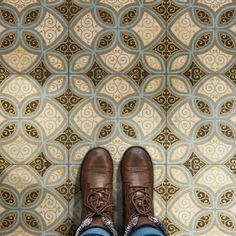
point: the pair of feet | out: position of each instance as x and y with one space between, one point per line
96 186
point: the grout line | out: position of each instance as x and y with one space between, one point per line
68 115
166 114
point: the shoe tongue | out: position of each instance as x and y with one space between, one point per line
97 221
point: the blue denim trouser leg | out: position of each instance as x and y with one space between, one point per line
96 231
143 231
147 231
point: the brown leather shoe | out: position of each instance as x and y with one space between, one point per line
96 186
137 181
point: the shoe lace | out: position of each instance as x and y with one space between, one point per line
97 202
97 205
141 200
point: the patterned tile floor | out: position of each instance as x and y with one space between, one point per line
116 73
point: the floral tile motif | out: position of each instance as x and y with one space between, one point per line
116 115
203 203
76 74
205 35
31 120
122 35
32 34
204 120
30 203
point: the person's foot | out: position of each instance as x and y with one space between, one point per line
96 187
137 181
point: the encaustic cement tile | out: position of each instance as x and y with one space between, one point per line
117 114
33 202
203 35
32 33
117 36
76 205
203 119
201 201
31 120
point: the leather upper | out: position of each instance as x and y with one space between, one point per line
137 181
96 185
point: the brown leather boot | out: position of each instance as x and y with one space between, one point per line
137 181
96 186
